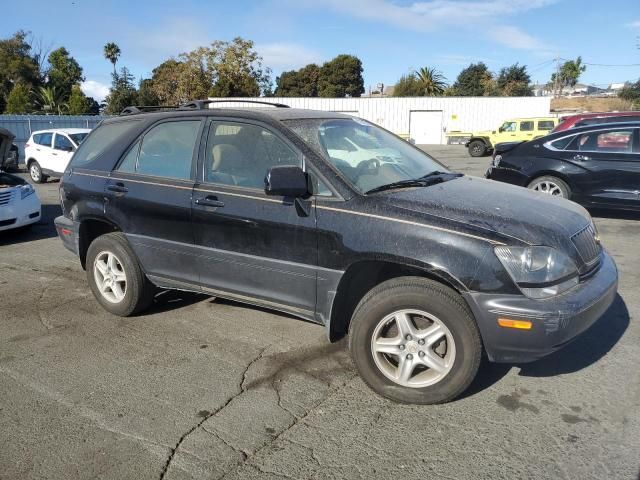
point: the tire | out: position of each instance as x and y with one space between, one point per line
416 297
124 297
35 172
551 186
477 148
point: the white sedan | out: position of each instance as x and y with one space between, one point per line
19 202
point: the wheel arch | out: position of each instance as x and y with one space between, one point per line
90 229
550 173
361 276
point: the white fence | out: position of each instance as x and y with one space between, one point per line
454 113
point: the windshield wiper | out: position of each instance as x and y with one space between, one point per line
427 180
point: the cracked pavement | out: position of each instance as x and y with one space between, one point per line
206 388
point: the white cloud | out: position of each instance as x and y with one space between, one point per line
436 14
287 56
95 89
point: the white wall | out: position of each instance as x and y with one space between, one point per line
459 113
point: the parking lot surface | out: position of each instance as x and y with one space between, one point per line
205 388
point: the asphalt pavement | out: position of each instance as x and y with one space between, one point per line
206 388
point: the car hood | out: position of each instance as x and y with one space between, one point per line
513 214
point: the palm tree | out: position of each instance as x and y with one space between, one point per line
49 100
432 81
112 53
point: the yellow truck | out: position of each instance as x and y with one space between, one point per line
512 130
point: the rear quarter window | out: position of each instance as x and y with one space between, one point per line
545 125
100 140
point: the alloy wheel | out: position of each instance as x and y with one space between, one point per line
548 187
413 348
110 277
35 172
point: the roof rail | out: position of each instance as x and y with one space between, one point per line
202 104
135 109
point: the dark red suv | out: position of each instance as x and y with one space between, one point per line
584 119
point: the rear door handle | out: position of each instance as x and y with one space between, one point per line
209 201
117 187
581 158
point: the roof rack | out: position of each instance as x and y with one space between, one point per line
192 105
202 104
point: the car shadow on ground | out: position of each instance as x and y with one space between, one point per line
38 231
584 351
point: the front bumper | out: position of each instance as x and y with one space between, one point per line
20 212
556 321
68 232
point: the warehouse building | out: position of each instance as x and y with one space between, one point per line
426 120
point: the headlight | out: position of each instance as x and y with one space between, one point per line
26 190
540 272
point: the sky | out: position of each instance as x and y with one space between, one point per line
391 37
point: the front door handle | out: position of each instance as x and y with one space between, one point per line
581 158
117 187
209 201
54 153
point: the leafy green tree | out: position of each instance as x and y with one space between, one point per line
408 86
64 72
146 93
631 92
514 81
569 74
123 92
472 81
433 83
112 53
174 82
79 103
16 65
50 101
299 83
341 77
19 100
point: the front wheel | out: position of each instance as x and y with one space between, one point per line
35 172
115 276
477 148
414 340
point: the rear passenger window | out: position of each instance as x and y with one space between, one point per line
612 141
526 126
166 151
240 154
545 125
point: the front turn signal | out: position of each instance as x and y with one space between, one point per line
519 324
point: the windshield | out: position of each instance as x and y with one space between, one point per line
78 137
365 154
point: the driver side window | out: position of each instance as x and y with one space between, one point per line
61 142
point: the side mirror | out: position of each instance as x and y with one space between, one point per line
287 181
501 129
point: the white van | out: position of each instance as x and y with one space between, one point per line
47 152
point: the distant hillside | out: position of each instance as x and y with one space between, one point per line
589 104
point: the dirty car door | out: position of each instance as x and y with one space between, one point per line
252 247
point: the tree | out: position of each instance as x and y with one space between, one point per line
472 81
174 82
408 86
513 81
236 69
631 92
79 103
19 100
16 65
432 82
146 93
568 75
112 53
64 72
123 92
50 101
299 83
341 77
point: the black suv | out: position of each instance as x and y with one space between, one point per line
337 221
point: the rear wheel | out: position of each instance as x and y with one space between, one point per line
35 172
115 276
551 186
414 340
477 148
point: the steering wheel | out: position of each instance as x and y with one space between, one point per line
366 167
